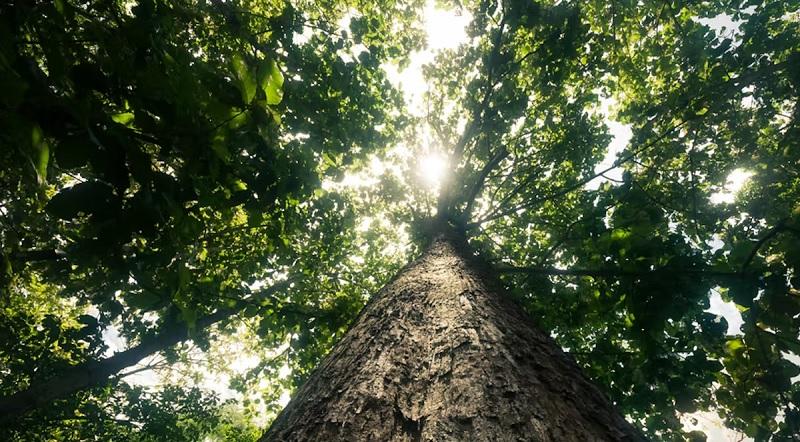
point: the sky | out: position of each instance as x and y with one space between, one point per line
446 30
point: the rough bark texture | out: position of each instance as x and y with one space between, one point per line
440 354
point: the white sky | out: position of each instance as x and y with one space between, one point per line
445 30
621 135
725 27
727 310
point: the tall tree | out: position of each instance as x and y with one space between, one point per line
441 354
422 361
165 159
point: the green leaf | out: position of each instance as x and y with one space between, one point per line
41 154
697 436
271 81
92 197
247 82
142 301
734 346
189 316
184 277
88 321
218 145
73 152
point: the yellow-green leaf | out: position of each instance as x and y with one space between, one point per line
41 154
734 346
247 83
271 81
123 118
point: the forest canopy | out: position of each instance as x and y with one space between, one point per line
198 197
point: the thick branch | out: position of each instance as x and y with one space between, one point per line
95 373
772 232
478 185
611 272
38 255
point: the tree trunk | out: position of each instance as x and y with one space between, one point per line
440 354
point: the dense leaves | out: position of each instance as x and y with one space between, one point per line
642 252
162 160
132 413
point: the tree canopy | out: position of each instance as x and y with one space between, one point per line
199 179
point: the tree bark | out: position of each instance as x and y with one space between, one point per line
440 354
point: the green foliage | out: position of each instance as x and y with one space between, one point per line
159 158
700 104
122 412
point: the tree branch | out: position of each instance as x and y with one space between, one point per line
38 255
611 272
732 85
445 196
760 243
478 185
580 183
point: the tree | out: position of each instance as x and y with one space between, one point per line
640 253
438 354
617 268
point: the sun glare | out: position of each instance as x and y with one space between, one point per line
734 183
737 178
431 169
445 29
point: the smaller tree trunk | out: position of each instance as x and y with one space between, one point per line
439 354
95 373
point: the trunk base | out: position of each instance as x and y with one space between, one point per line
440 355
